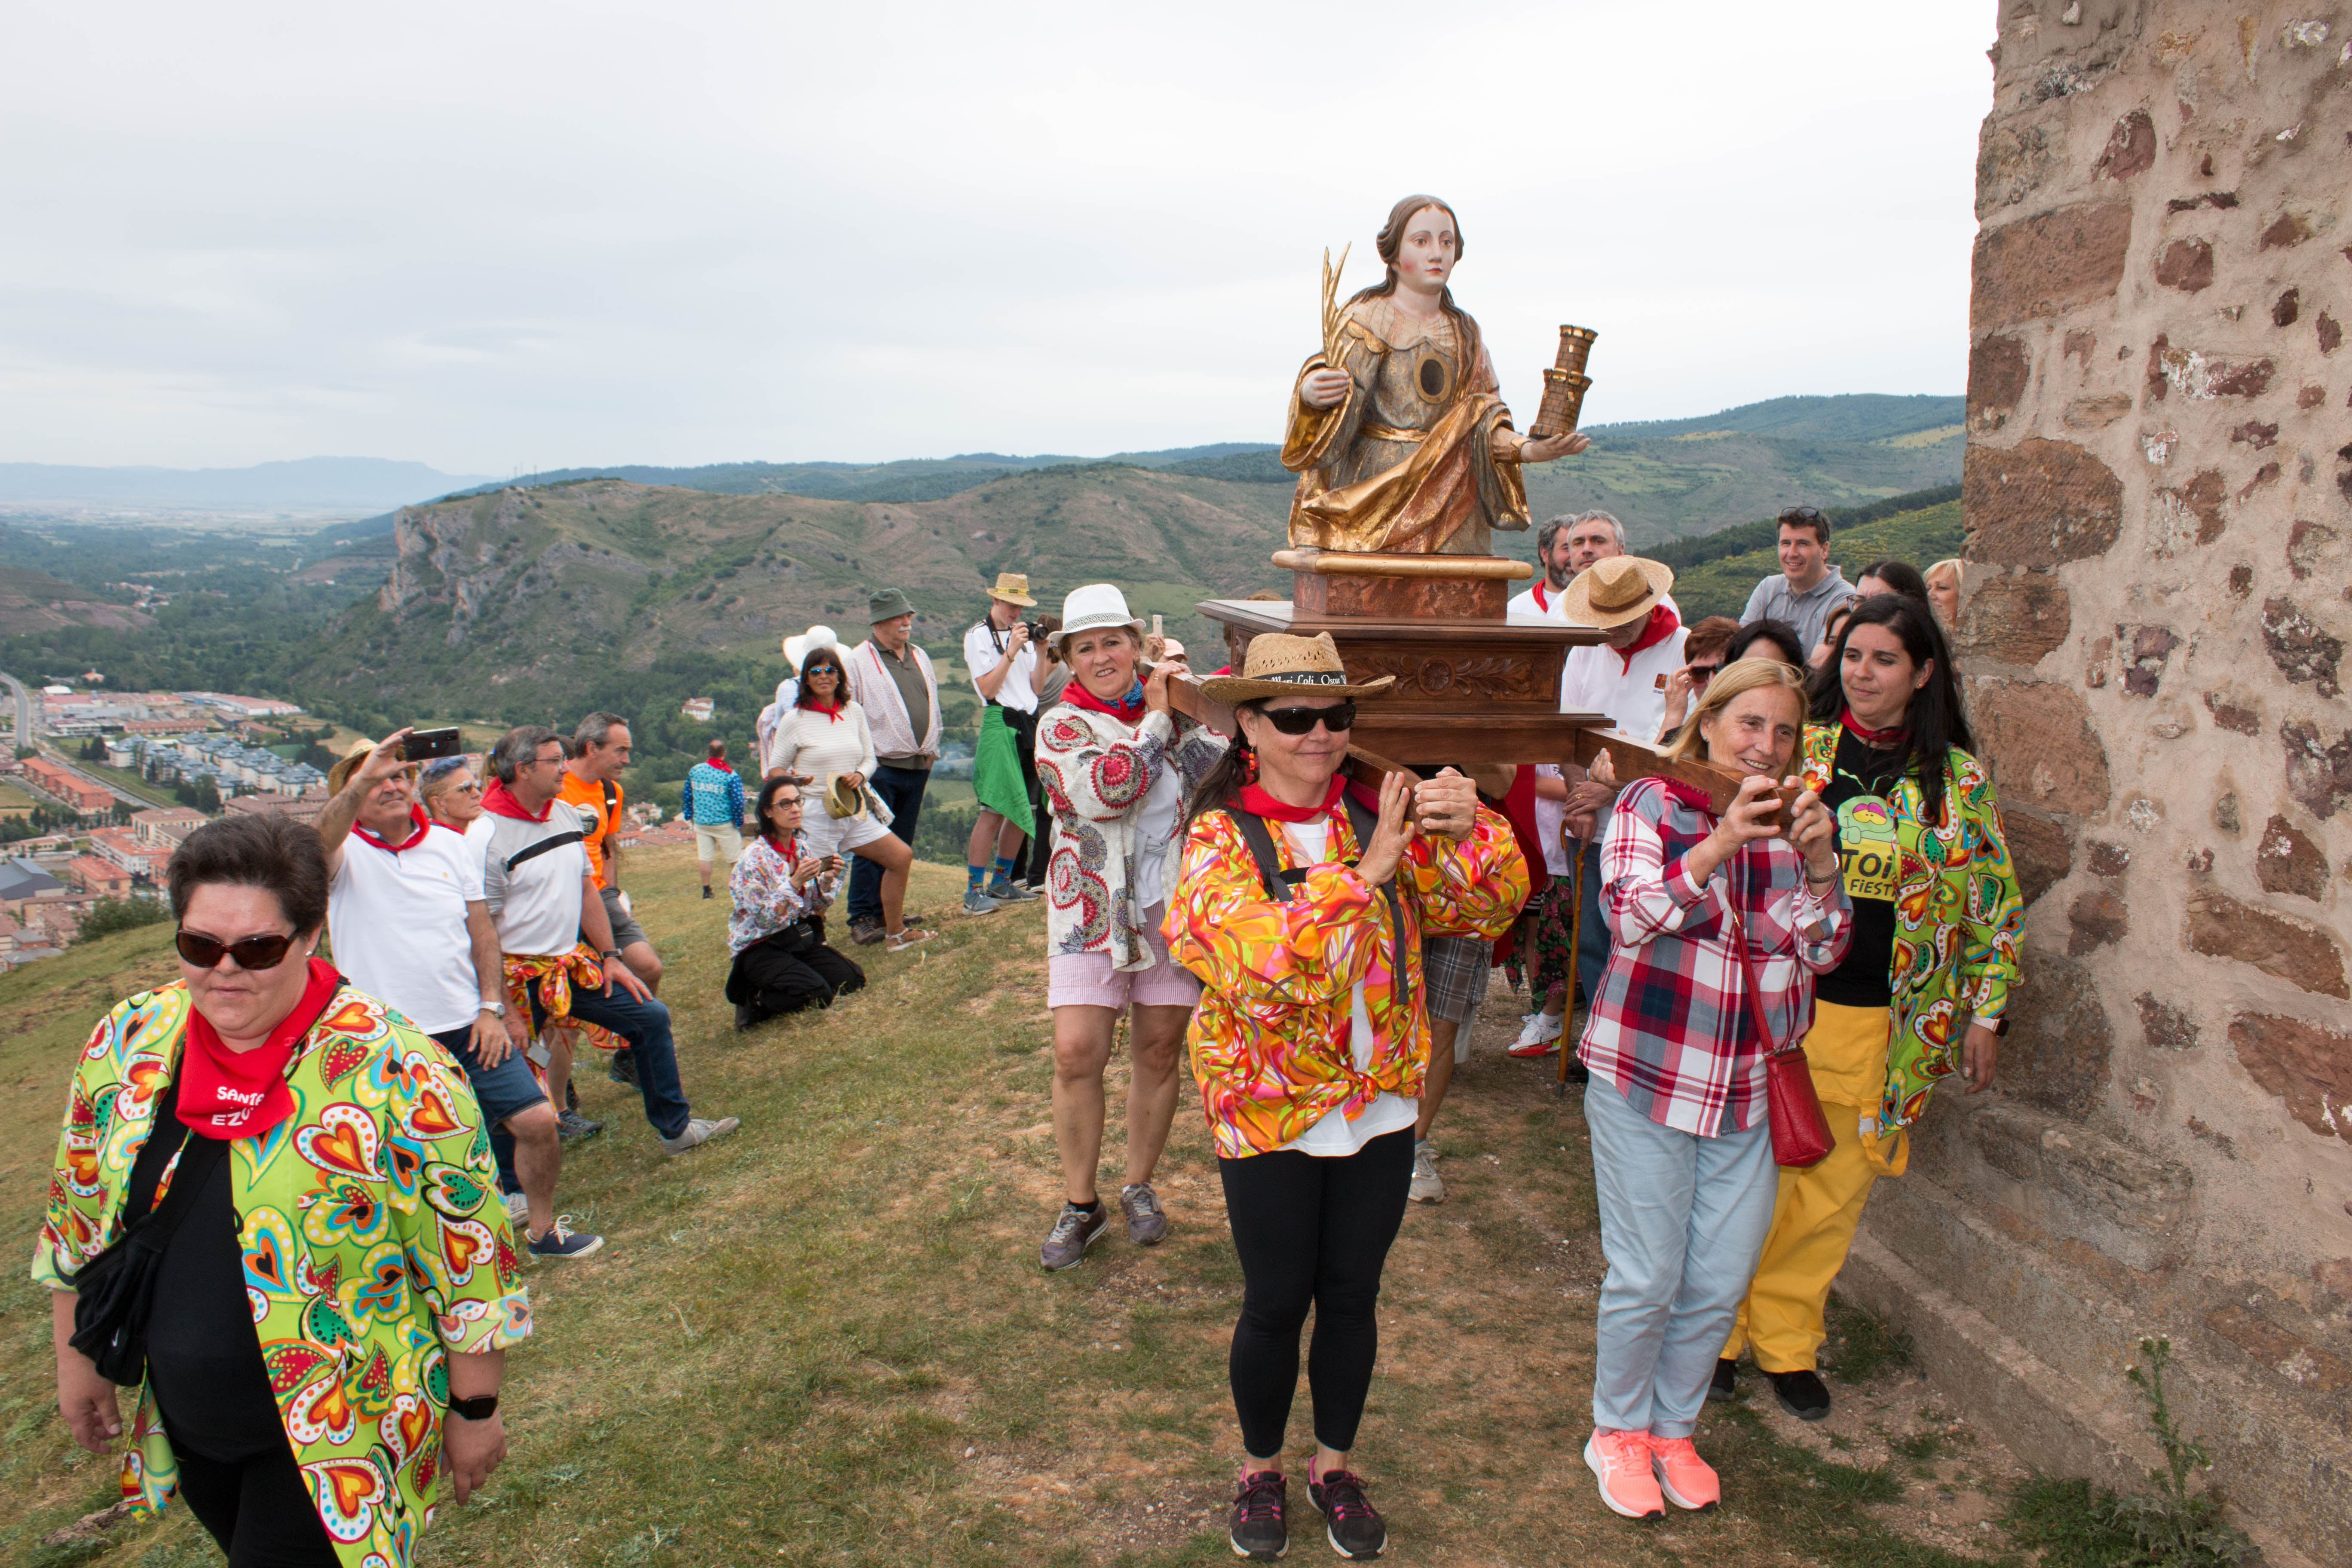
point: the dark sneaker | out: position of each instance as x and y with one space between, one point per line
1802 1393
1725 1384
1146 1225
865 933
746 1015
622 1067
1006 892
570 1124
705 892
563 1241
1259 1531
1075 1230
1352 1524
976 902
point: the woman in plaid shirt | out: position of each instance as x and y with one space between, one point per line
1682 1157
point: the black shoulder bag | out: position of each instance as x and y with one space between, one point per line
1279 882
117 1288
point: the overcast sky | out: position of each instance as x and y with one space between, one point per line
493 237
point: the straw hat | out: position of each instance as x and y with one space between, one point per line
1096 605
1616 590
348 763
797 649
842 798
1282 665
1013 587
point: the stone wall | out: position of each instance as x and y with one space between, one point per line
2158 499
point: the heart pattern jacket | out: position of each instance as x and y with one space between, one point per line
374 1242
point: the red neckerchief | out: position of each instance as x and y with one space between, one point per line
833 712
235 1094
1881 739
1257 803
422 822
500 800
1078 696
1663 624
1542 604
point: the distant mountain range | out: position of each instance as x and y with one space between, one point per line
324 484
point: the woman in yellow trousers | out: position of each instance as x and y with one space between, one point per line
1935 914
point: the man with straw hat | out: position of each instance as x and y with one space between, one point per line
1007 673
1626 678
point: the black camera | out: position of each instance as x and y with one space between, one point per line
1037 630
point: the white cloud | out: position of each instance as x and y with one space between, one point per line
498 235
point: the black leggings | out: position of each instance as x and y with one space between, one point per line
1311 1231
769 979
259 1508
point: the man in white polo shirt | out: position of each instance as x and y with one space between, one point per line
407 925
1625 678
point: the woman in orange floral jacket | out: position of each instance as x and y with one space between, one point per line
1301 907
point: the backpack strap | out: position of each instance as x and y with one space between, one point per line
1279 883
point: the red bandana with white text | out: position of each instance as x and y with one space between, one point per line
235 1094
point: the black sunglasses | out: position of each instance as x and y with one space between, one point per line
266 951
1299 720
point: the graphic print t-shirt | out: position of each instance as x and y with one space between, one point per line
1869 860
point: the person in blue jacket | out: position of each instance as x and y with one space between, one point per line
714 804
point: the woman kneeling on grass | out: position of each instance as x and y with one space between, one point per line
1116 762
777 932
1301 907
1682 1151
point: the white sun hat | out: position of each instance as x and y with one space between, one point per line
1096 605
797 649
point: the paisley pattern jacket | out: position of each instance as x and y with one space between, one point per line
1096 771
1956 910
375 1246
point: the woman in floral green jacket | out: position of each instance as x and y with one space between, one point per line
1921 994
330 1315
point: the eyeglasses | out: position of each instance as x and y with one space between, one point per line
1804 513
545 761
1299 720
266 951
1705 671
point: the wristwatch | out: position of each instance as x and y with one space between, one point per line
480 1407
494 1009
610 953
2000 1027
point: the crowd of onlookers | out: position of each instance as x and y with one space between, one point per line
1315 944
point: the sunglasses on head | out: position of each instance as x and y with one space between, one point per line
1299 720
266 951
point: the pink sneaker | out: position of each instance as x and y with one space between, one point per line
1621 1460
1688 1481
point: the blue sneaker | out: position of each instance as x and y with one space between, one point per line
563 1241
1006 892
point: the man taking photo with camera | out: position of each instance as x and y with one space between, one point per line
1005 669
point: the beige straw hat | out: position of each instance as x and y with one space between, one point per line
1282 665
1013 587
1611 592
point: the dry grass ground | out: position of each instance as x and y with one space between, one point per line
825 1339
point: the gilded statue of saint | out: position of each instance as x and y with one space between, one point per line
1397 428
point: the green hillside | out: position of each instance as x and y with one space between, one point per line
1720 586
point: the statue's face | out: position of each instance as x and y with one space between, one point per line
1425 256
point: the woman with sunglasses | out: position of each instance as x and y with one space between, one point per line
1116 763
1300 905
823 737
357 1231
776 934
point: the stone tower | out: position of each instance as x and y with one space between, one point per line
2159 502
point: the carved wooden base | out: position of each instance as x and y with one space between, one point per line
1317 597
1466 690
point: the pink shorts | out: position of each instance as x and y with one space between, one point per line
1088 979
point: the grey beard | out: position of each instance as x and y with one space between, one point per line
1560 577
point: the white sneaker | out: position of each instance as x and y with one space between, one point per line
517 1208
698 1131
1539 1034
1427 1186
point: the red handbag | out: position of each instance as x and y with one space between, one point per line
1801 1133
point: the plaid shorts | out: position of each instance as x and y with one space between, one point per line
1455 969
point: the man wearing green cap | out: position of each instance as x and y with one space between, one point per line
891 679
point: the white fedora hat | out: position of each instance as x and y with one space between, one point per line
797 649
1096 605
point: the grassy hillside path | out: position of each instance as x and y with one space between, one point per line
825 1339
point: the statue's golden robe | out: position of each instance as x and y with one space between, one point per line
1406 462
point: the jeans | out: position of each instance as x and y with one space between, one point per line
1315 1232
501 1091
901 790
645 1026
1683 1220
1592 936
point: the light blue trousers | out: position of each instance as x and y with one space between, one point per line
1683 1220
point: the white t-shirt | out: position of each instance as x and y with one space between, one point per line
1155 826
1541 599
397 919
981 653
1599 679
1549 815
1333 1135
